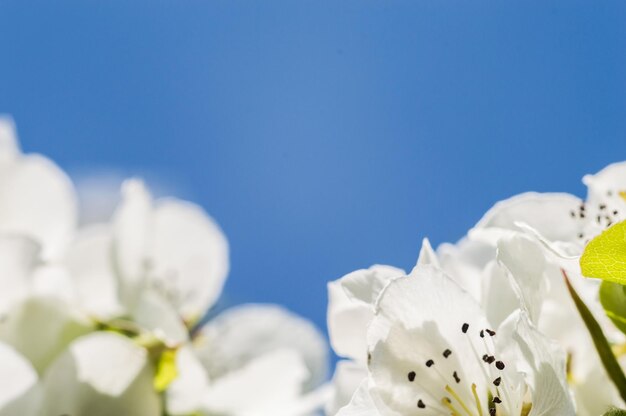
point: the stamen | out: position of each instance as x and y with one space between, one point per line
411 376
464 328
478 405
499 365
430 363
446 353
421 404
458 399
448 403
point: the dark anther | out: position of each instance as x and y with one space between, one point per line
497 381
482 333
412 376
464 328
421 404
446 353
499 365
496 399
429 363
492 411
456 377
602 206
490 332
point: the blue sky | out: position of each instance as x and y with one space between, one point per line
323 136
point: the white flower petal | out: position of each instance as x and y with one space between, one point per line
427 255
365 285
184 395
526 263
349 375
464 262
605 186
41 327
133 231
18 384
550 393
243 333
361 403
101 374
19 257
9 147
89 261
37 199
350 308
500 297
267 386
548 213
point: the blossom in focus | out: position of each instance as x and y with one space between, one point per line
432 351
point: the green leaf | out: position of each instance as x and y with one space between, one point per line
613 299
605 256
166 370
602 345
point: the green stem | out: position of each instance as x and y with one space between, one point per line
602 345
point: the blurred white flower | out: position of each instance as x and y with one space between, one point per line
37 199
104 320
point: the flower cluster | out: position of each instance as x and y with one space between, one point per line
504 322
524 316
108 319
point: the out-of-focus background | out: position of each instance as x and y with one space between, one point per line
323 136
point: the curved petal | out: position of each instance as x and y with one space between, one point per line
361 403
605 186
172 245
89 264
19 391
185 394
554 215
36 197
465 261
19 257
550 393
101 374
350 308
9 148
243 333
349 375
267 386
41 327
427 254
526 262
